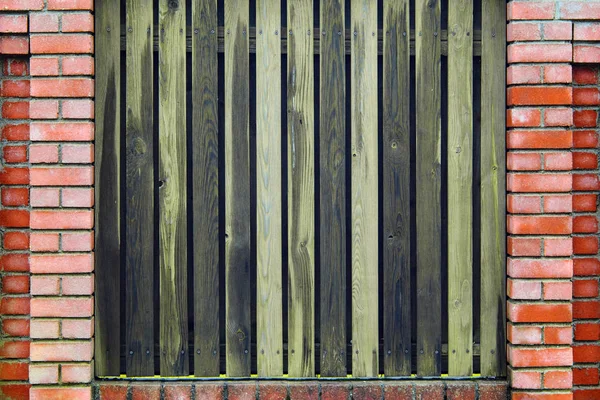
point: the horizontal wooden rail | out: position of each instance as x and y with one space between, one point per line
317 48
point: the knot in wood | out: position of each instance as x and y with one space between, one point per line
173 4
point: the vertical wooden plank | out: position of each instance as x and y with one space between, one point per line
493 189
428 177
139 210
108 202
460 183
268 188
237 189
172 190
396 188
333 189
365 191
205 187
301 175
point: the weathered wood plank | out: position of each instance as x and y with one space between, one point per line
428 177
108 202
365 191
396 189
493 189
269 249
172 190
333 191
139 210
301 175
205 188
460 183
237 189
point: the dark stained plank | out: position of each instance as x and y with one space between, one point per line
139 210
237 189
332 165
460 188
301 203
428 178
269 246
205 188
396 189
108 202
172 190
493 189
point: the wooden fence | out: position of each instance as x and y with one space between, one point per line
298 188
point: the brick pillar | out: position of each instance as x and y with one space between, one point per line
61 157
540 182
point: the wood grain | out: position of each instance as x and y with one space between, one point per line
107 190
365 191
493 190
139 210
460 184
268 187
301 184
205 188
333 183
237 190
172 189
396 190
428 193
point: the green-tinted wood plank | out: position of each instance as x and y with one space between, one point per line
396 189
205 187
139 211
108 202
333 190
460 182
301 207
269 249
365 191
493 189
237 189
172 190
428 177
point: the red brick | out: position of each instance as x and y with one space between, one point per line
78 65
61 351
65 87
525 379
523 289
16 88
15 327
208 391
523 162
429 391
588 331
536 268
63 263
79 285
62 43
15 109
43 109
45 197
14 263
544 357
77 176
492 390
72 197
558 161
15 154
585 376
586 266
558 379
178 392
82 373
77 154
16 133
61 307
558 290
45 328
43 374
539 53
15 196
17 68
44 242
522 31
14 218
335 391
585 160
241 391
517 312
554 117
45 153
523 74
539 95
558 204
558 335
78 328
18 45
517 204
520 139
586 353
586 54
15 391
586 309
585 118
585 288
585 245
558 73
521 247
535 183
45 285
530 10
585 224
586 182
13 371
61 393
44 66
78 109
15 284
586 394
398 391
460 391
14 349
523 334
579 10
523 117
21 5
14 176
523 225
63 132
14 306
586 96
43 22
585 75
78 22
77 241
584 202
558 247
71 5
558 30
272 391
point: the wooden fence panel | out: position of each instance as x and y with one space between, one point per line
237 189
396 189
301 185
428 177
269 245
107 189
365 201
332 165
493 189
205 188
460 183
172 188
139 209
